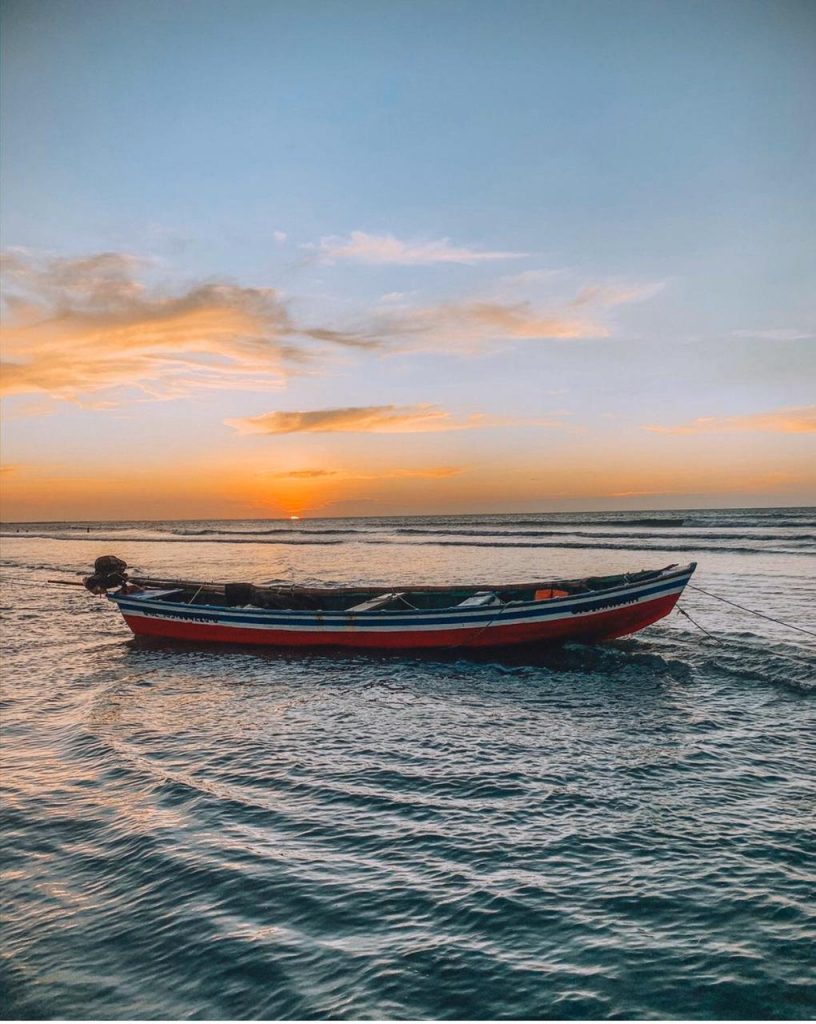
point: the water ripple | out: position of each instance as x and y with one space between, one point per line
620 831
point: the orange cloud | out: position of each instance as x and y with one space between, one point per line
476 322
361 247
617 295
306 474
521 321
798 420
470 326
643 494
370 419
427 473
75 326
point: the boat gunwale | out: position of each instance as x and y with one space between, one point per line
285 590
323 618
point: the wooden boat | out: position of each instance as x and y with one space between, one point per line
408 618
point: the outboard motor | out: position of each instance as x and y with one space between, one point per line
109 572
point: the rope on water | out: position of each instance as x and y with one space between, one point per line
697 624
41 583
750 611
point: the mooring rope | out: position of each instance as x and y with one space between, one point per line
750 611
697 624
40 583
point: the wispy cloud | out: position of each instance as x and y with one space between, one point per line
775 334
798 420
305 474
423 473
547 276
642 494
473 324
617 294
370 419
361 247
560 282
87 329
74 326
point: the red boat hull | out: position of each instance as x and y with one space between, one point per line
590 628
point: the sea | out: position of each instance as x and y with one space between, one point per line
616 831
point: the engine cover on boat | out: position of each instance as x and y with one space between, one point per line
109 572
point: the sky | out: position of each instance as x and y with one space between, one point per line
339 257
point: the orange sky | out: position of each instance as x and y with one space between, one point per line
567 265
353 479
125 400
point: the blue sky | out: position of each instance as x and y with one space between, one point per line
633 180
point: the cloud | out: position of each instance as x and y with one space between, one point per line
798 420
370 419
473 324
93 329
536 278
558 281
360 247
426 473
306 474
617 294
74 326
279 236
775 334
640 494
520 320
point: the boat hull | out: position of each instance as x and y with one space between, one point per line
590 618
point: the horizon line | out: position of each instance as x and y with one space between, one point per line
412 515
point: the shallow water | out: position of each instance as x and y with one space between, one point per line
618 831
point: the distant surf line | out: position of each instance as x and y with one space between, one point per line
426 543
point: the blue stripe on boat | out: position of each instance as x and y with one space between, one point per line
344 619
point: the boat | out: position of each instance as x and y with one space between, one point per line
588 610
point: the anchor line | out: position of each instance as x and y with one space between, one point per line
751 611
697 624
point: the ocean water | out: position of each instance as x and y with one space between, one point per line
616 831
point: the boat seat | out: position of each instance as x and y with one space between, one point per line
381 601
485 599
